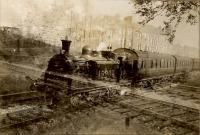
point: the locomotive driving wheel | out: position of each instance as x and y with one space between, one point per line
75 100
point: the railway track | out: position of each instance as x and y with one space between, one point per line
181 91
25 115
157 114
154 113
20 115
19 97
18 109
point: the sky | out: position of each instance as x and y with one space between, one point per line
20 12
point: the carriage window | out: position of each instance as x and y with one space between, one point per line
156 63
142 63
164 63
161 63
151 63
167 63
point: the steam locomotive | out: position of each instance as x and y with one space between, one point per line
122 63
91 63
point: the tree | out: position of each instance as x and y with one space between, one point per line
175 11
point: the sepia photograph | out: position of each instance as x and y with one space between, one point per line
99 67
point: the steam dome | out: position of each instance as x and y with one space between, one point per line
86 50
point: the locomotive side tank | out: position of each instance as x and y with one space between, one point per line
98 64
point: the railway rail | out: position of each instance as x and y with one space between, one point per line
181 91
22 116
19 97
158 114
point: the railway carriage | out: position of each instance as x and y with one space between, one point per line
146 64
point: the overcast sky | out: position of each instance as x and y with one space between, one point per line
14 12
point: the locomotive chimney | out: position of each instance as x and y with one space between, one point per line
66 46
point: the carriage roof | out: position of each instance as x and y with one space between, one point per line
138 55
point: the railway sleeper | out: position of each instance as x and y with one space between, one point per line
164 117
175 121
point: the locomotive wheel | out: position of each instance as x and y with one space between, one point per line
33 87
75 101
112 92
80 99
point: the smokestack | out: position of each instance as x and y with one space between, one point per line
66 46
